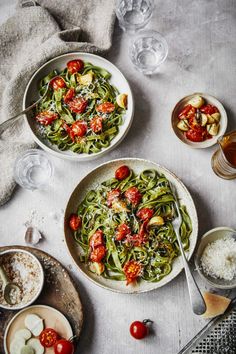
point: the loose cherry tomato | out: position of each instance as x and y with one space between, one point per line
57 83
122 173
46 117
69 131
64 346
194 135
75 222
75 66
96 124
96 239
48 337
106 107
135 240
79 128
113 195
145 213
133 195
98 254
187 112
209 109
139 330
69 95
132 270
78 105
122 231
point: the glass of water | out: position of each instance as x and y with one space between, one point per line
134 14
148 51
33 170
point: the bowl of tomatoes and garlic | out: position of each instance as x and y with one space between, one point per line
198 120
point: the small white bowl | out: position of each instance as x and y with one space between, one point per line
41 276
209 99
211 236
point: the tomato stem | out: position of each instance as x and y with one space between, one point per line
146 321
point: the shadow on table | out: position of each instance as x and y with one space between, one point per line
88 320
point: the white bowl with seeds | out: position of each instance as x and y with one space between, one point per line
23 269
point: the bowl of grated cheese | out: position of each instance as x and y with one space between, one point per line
215 258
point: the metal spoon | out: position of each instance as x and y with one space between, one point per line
8 288
196 299
7 123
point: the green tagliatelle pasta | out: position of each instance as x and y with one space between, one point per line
160 248
91 84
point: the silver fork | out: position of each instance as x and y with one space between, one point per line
196 299
7 123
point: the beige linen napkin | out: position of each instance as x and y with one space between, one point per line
37 32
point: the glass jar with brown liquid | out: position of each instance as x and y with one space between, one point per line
224 159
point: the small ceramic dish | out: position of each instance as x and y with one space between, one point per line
51 317
210 236
180 134
59 63
24 269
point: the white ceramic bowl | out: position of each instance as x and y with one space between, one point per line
99 175
40 285
209 99
59 63
210 236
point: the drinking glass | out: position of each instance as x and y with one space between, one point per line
148 51
223 161
134 14
33 170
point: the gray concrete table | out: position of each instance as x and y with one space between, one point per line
202 57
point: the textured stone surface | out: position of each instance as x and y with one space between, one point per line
202 57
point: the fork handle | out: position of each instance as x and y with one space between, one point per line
7 123
196 299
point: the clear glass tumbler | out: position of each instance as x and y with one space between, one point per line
134 14
33 170
148 51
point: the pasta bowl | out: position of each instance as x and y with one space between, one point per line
90 182
59 63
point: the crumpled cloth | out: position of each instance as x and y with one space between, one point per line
37 32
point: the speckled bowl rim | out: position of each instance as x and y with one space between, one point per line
207 143
193 240
35 259
119 137
31 307
198 255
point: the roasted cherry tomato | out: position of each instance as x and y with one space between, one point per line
75 66
46 117
96 124
194 135
139 330
79 128
135 240
48 337
69 95
113 195
98 254
75 222
106 107
122 173
57 83
64 346
122 231
187 112
145 213
96 239
69 131
209 109
132 270
78 105
133 195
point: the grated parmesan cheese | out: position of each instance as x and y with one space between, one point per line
219 259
